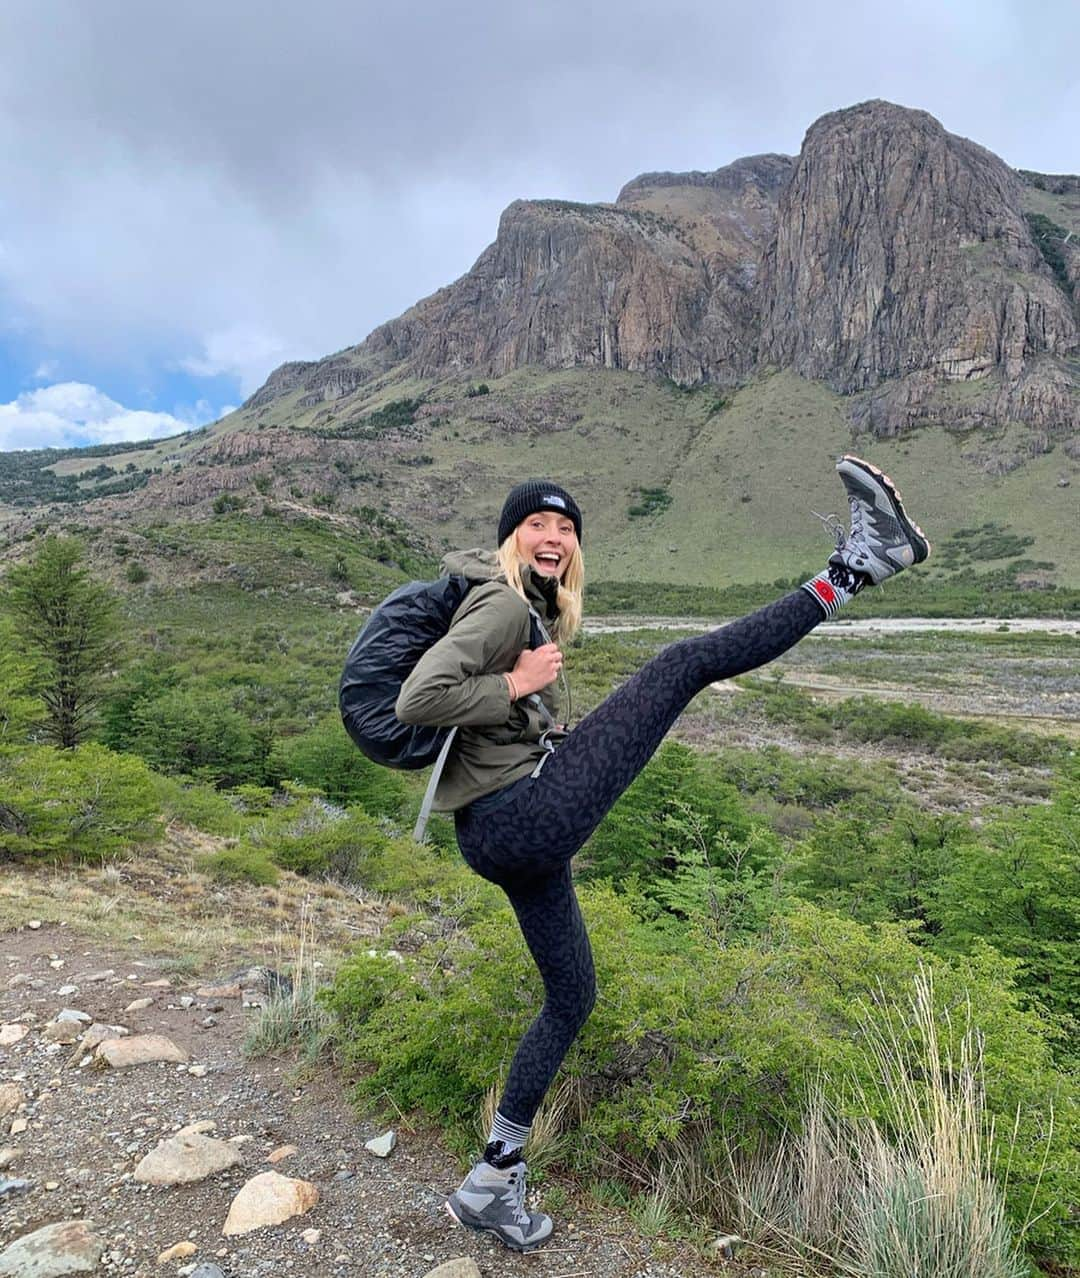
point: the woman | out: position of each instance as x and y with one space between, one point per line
527 794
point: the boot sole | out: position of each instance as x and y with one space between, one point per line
920 543
491 1229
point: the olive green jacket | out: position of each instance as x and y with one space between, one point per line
459 681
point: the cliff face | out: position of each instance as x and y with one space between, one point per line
901 249
889 259
661 281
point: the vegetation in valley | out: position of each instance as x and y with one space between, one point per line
785 941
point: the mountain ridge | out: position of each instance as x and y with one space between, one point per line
888 251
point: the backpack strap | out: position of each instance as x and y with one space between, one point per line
429 794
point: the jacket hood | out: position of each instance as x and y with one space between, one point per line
474 565
483 565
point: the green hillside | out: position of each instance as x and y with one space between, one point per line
697 487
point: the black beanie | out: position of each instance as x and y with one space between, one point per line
534 495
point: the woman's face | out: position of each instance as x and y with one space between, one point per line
545 541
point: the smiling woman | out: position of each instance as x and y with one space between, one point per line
526 792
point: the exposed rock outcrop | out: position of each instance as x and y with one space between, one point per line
900 247
890 259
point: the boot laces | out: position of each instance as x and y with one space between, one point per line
834 527
514 1197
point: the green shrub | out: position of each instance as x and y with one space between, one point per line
689 1037
191 731
326 759
674 802
198 804
240 865
18 707
1014 883
136 574
87 803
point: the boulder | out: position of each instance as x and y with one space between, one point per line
52 1252
140 1049
185 1159
269 1199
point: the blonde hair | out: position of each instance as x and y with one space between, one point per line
571 587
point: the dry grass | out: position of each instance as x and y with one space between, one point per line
876 1205
157 902
293 1017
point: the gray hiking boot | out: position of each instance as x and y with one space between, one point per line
493 1199
883 540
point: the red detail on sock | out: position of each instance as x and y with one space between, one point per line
824 591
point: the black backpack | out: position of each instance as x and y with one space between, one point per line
393 639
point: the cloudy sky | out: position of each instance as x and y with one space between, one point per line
192 193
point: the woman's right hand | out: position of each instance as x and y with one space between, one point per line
536 668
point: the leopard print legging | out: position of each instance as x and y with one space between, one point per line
525 845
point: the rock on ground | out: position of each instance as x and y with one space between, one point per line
140 1049
11 1098
178 1251
65 1248
269 1199
183 1160
382 1146
459 1267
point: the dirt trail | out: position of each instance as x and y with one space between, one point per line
81 1130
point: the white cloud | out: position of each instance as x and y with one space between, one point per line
46 370
239 351
73 414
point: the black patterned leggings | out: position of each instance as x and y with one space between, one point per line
526 844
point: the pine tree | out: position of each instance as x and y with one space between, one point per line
68 624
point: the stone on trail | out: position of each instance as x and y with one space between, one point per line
64 1248
34 924
183 1160
8 1155
382 1146
94 977
62 1031
459 1267
10 1186
72 1014
139 1005
99 1033
11 1098
311 1236
218 991
207 1270
198 1129
269 1199
12 1033
282 1152
179 1251
140 1049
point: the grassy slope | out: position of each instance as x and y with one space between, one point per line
744 479
743 476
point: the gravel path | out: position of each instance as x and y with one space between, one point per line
81 1130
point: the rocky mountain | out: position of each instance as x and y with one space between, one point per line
890 259
672 357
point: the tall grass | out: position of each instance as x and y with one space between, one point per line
292 1015
909 1194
